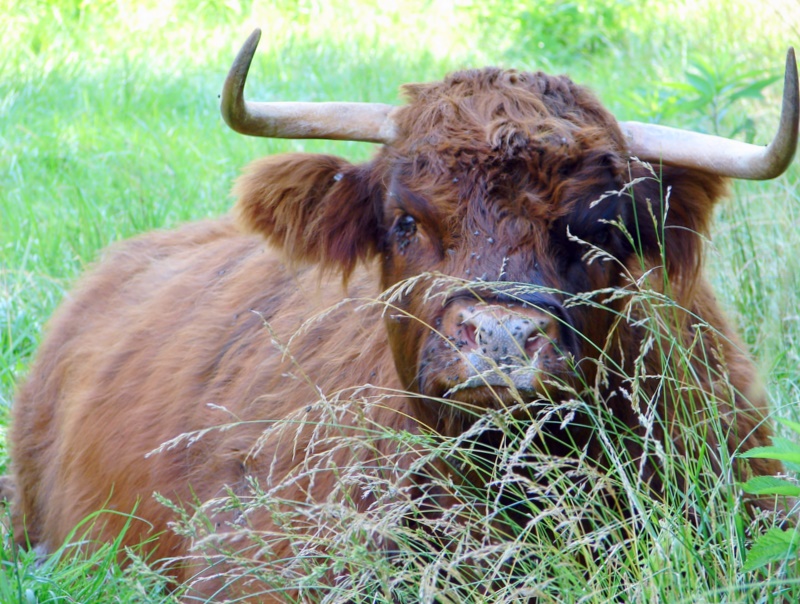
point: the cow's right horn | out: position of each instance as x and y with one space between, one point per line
719 155
367 122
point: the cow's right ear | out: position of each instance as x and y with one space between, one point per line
316 208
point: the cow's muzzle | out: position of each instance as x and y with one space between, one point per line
507 341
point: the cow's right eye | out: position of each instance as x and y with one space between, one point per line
406 226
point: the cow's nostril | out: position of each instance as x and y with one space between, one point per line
535 343
470 334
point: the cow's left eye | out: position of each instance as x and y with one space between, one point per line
601 237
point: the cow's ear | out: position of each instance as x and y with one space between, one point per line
317 208
670 220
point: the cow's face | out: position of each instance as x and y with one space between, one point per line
491 211
490 197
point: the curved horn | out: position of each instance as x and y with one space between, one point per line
368 122
720 155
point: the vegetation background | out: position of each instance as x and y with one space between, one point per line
109 126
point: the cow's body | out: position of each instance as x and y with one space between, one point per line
494 179
98 429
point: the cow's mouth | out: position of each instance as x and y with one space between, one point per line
475 379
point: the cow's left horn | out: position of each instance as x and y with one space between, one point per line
720 155
368 122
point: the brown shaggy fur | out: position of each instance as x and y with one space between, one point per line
492 179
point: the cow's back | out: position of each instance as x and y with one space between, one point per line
173 332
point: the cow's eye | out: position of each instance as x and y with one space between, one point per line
405 226
601 237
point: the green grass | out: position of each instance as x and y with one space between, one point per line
109 127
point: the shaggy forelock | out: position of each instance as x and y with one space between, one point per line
505 114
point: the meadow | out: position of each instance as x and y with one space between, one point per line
109 127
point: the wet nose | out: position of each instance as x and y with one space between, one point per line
501 332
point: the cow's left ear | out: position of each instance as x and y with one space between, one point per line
671 218
317 208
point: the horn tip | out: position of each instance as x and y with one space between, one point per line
251 43
255 36
232 104
791 85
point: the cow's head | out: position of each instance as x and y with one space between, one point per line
496 197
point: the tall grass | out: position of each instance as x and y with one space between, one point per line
109 127
561 525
